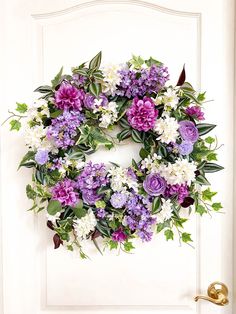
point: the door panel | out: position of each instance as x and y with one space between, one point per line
159 277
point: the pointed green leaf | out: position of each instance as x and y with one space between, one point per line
208 194
212 167
95 89
201 210
169 234
15 125
217 206
21 108
57 79
96 61
204 128
186 237
156 205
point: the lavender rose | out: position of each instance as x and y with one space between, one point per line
154 184
142 114
188 131
69 97
185 148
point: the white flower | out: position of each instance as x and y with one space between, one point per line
167 128
166 211
85 225
79 164
105 120
109 114
34 114
53 218
34 135
111 78
120 179
182 171
151 162
170 99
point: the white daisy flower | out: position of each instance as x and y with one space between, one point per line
167 128
83 226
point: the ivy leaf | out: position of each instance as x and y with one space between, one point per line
15 125
95 88
156 204
57 79
217 206
96 61
113 245
160 227
201 96
208 194
169 234
212 156
182 77
54 207
128 246
152 61
21 108
78 210
31 194
204 128
137 62
201 210
209 140
186 237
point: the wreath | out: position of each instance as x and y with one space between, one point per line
77 114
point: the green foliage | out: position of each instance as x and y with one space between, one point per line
113 245
208 194
96 61
137 62
156 204
57 79
216 206
169 234
30 192
200 209
79 210
54 207
186 237
128 246
204 128
21 108
15 125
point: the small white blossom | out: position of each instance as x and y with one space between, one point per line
109 114
111 78
166 211
167 128
151 163
53 218
120 180
34 135
170 99
79 164
85 225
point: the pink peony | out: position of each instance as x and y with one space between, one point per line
64 192
69 97
142 114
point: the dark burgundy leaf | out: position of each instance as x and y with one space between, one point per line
57 241
50 225
182 77
95 234
197 173
188 201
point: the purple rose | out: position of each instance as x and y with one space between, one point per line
119 235
64 192
195 112
188 131
185 148
154 184
142 114
41 157
69 97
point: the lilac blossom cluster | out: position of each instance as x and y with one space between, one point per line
145 82
177 190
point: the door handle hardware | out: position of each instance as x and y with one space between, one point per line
217 294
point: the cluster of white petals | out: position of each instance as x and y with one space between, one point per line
166 211
83 226
111 78
167 129
120 180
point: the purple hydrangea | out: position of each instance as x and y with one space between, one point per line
88 101
68 97
146 81
154 184
63 129
188 131
185 148
142 114
65 192
101 213
138 217
41 157
179 190
195 112
118 200
90 180
119 235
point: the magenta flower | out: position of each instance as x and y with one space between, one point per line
180 191
69 97
142 114
195 112
64 192
154 184
119 235
188 131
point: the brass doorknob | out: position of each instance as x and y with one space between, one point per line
217 294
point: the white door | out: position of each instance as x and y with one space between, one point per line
161 277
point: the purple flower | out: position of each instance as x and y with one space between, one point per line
101 213
139 84
41 157
185 148
154 184
179 190
69 97
64 192
64 128
90 197
188 131
88 101
119 235
142 114
118 200
195 112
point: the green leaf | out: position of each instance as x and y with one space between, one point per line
152 61
28 156
98 138
201 179
208 194
160 227
40 177
56 114
201 96
44 89
169 234
54 207
156 204
186 237
123 135
212 156
204 128
143 153
96 61
113 245
137 62
124 123
78 210
15 125
21 108
200 209
136 136
95 89
179 221
128 246
209 140
31 194
162 151
75 154
103 189
217 206
57 79
212 167
103 228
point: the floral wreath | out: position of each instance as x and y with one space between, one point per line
74 116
